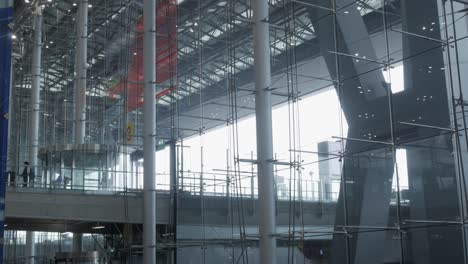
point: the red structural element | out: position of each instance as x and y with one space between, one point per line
166 56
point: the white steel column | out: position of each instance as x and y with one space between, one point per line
172 256
35 91
30 249
35 107
77 242
80 90
11 157
263 109
149 131
81 72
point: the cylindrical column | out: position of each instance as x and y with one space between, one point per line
11 157
263 109
149 131
30 249
77 243
173 171
81 71
33 134
6 15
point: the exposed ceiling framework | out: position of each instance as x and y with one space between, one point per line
213 37
202 28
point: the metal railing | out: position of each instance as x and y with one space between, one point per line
192 183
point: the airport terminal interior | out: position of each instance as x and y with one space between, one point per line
234 131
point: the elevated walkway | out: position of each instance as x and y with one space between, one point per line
65 206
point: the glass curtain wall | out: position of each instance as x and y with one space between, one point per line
369 127
369 136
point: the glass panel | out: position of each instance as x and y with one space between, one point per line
431 193
433 243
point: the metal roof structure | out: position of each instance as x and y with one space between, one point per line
214 55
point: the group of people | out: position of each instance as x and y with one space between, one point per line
27 175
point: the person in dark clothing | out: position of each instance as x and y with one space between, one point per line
28 174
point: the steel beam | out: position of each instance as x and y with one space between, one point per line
263 109
149 131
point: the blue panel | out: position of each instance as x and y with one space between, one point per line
6 15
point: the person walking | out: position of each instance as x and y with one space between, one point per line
28 174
